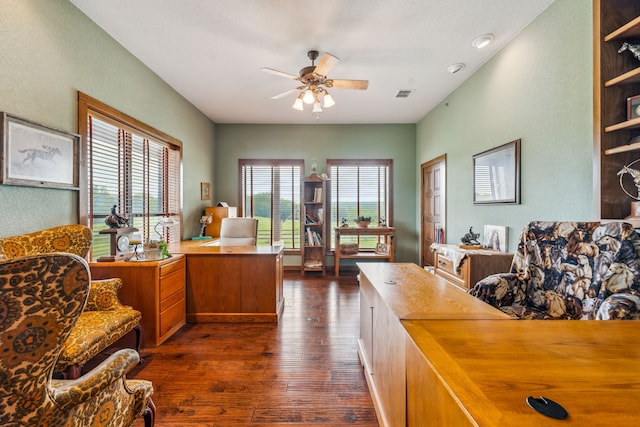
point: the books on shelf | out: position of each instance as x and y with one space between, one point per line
313 238
317 195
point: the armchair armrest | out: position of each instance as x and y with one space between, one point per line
69 393
498 290
103 295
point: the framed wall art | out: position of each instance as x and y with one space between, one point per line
35 155
496 175
205 191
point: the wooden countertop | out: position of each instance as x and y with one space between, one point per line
211 247
412 293
591 368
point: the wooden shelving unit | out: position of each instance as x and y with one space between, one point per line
386 233
313 224
616 78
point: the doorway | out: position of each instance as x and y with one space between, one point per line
432 206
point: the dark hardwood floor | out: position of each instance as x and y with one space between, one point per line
302 371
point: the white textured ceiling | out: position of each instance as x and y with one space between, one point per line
211 51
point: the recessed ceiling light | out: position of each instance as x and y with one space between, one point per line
482 41
454 68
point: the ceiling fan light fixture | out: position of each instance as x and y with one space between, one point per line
298 104
308 97
316 107
481 41
328 100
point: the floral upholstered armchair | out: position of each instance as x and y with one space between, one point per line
569 270
104 320
41 299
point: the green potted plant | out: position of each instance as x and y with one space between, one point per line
363 221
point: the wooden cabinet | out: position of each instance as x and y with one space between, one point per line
387 234
217 213
479 373
389 293
616 78
466 267
155 288
313 224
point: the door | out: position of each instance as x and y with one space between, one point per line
432 206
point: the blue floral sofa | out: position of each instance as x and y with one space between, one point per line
569 270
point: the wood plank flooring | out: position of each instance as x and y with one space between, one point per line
303 371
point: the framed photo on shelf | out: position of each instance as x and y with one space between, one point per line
205 191
382 249
495 237
38 156
633 107
496 175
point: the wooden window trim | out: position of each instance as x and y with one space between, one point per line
86 105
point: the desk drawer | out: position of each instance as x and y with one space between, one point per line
446 265
171 267
170 301
172 316
171 284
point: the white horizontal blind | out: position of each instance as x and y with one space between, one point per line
359 188
270 192
137 174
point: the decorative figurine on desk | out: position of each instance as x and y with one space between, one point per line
382 222
471 238
204 221
344 222
116 221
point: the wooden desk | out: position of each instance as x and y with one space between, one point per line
155 288
470 373
392 292
232 283
387 232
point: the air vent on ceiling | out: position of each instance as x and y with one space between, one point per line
404 93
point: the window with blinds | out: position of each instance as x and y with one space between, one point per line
360 188
270 192
137 173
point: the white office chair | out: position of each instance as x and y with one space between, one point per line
238 232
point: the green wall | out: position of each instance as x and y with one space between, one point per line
538 89
323 142
50 51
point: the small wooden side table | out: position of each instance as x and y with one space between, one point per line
387 232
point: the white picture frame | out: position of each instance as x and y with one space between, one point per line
496 238
38 156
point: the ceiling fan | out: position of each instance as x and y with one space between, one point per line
315 82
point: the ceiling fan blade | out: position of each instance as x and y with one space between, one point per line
279 73
285 93
326 63
348 84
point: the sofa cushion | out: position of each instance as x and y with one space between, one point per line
95 331
103 295
73 238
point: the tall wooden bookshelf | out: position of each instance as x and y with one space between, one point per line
313 224
616 78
